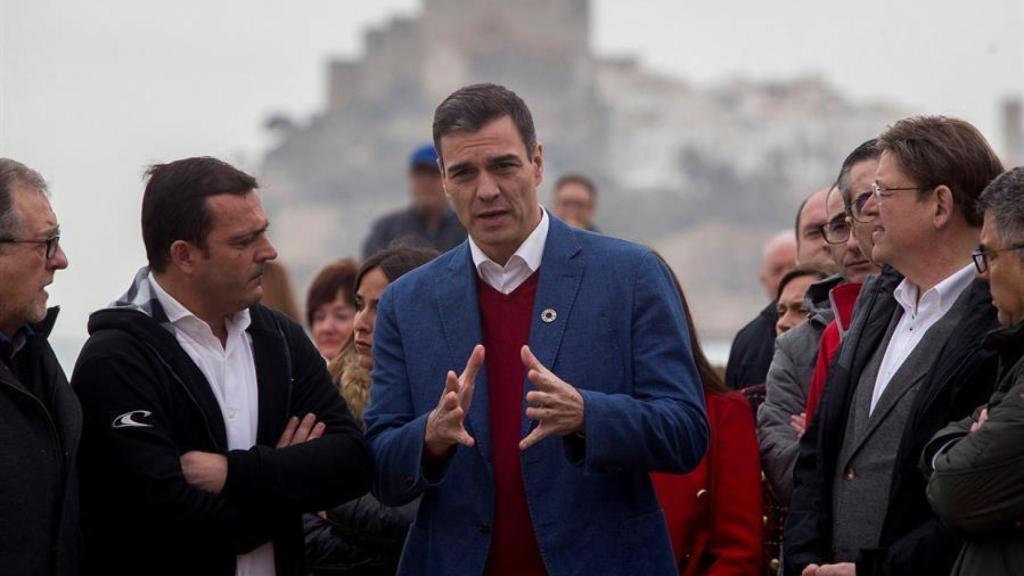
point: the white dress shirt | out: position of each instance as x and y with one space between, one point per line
919 314
520 266
231 371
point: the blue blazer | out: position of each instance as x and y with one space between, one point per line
619 337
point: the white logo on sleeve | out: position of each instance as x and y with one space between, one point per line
127 420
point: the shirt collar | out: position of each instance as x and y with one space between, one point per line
178 314
9 347
530 252
944 293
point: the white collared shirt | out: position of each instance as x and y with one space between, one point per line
231 371
918 316
520 266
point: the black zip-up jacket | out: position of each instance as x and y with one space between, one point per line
912 540
39 439
139 515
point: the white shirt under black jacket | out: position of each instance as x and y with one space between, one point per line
919 314
520 266
231 371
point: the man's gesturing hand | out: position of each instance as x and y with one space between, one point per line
555 405
446 423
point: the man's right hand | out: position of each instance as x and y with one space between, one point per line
296 432
446 424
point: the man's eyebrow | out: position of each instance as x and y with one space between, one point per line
245 235
503 158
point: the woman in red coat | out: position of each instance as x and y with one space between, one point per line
714 512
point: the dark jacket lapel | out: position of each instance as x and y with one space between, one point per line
273 374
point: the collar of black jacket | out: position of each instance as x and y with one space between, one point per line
1008 341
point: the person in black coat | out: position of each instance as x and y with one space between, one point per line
912 362
40 419
194 458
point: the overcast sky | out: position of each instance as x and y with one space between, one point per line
92 92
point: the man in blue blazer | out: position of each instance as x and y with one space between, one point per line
539 463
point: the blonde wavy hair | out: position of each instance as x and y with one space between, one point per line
351 379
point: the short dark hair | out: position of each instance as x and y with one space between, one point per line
395 262
939 150
1003 200
577 179
174 204
13 172
336 277
470 108
866 151
799 272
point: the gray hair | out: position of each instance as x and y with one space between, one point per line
13 172
1003 201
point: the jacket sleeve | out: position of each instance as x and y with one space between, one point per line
736 538
313 475
662 426
366 519
978 483
930 548
146 458
784 397
827 350
395 433
805 539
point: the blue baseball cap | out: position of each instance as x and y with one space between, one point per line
423 157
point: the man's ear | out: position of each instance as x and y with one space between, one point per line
183 256
538 163
444 177
945 206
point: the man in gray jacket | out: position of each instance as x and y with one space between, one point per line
977 480
780 420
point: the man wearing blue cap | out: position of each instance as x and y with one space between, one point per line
429 221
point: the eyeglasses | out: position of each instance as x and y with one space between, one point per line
836 230
882 192
51 244
982 256
858 204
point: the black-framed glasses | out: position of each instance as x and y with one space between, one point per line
857 207
883 192
836 230
51 244
981 256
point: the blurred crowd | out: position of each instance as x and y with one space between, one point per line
497 387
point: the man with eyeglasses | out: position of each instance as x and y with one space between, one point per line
781 418
40 418
859 504
976 481
850 242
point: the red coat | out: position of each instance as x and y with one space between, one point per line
714 512
844 297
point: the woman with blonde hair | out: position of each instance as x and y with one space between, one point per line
363 536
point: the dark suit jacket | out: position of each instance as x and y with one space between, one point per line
751 353
619 337
39 532
912 540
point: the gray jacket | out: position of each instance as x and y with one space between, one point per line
789 379
977 483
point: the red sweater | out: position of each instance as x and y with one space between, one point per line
714 512
505 326
844 297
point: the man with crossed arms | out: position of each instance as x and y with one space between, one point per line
534 460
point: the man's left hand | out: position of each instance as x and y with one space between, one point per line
842 569
205 470
555 404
